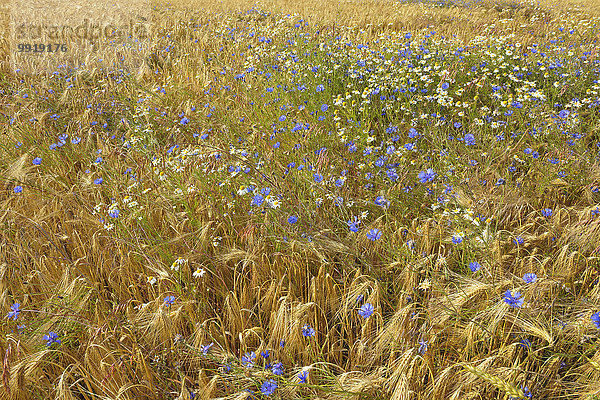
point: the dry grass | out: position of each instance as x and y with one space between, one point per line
101 280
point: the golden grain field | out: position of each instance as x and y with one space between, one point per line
357 199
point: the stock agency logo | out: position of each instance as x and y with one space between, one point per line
87 30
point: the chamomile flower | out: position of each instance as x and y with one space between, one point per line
199 273
178 263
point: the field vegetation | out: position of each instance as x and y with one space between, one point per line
366 200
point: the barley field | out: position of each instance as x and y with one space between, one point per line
337 199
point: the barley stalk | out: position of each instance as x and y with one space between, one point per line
498 382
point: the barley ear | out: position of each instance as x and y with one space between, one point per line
500 383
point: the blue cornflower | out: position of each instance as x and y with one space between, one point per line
15 310
318 178
184 121
412 133
554 160
205 348
282 118
563 114
423 346
547 212
380 161
282 343
324 107
518 240
18 189
277 369
37 161
526 392
515 300
470 139
50 338
353 225
426 176
374 234
248 359
392 174
292 219
258 200
268 387
339 182
530 277
596 319
474 266
366 310
445 86
307 331
98 181
169 300
457 239
265 354
114 213
525 343
303 376
381 201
